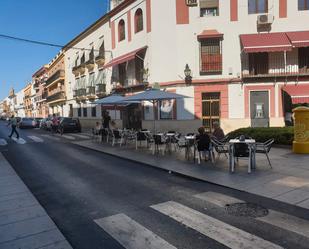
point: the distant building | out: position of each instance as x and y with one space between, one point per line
39 84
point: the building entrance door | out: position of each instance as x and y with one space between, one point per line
210 109
259 108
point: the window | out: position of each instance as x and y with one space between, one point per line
102 50
82 59
257 6
121 30
211 56
209 8
303 4
138 20
91 54
303 60
93 111
79 112
85 112
258 63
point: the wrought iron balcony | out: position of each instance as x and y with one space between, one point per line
56 77
100 60
57 96
100 89
90 90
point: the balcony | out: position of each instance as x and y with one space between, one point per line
55 78
275 65
90 65
100 60
91 92
80 94
55 97
100 90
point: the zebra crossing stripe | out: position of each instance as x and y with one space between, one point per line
217 198
19 141
288 222
3 142
224 233
51 137
130 234
36 139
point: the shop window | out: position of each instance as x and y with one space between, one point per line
303 4
121 30
211 56
209 8
138 20
257 6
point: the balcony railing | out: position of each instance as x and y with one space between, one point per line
273 65
91 90
56 76
56 96
100 89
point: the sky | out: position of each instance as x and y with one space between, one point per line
56 21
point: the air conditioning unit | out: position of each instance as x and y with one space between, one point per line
265 19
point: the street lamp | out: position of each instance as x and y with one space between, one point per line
188 77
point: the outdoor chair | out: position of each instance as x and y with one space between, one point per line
220 148
159 142
242 150
264 148
104 134
95 135
140 137
202 151
109 136
117 137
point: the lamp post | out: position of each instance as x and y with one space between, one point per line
188 77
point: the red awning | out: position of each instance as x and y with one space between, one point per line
209 33
299 38
298 93
124 58
266 42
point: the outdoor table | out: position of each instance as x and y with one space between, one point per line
250 143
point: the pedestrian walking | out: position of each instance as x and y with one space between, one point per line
55 124
13 123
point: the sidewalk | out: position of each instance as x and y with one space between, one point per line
24 224
288 181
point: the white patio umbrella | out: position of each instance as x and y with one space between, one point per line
153 96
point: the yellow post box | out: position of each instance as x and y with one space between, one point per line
301 130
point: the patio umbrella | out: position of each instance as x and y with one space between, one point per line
153 96
112 100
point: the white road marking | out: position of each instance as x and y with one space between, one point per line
218 198
36 139
288 222
225 234
67 137
51 137
80 136
3 142
19 141
131 234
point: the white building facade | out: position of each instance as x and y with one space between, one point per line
248 60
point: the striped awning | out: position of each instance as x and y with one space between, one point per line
299 38
299 93
266 42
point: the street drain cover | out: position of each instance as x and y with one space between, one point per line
246 210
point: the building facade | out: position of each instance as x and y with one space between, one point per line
56 86
39 84
28 106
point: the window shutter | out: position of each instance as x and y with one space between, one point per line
209 3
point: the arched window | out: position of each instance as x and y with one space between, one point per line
121 30
138 21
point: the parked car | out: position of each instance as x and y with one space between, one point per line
69 125
27 123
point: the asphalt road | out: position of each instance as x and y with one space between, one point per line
78 187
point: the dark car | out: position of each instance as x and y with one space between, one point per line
69 125
27 123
